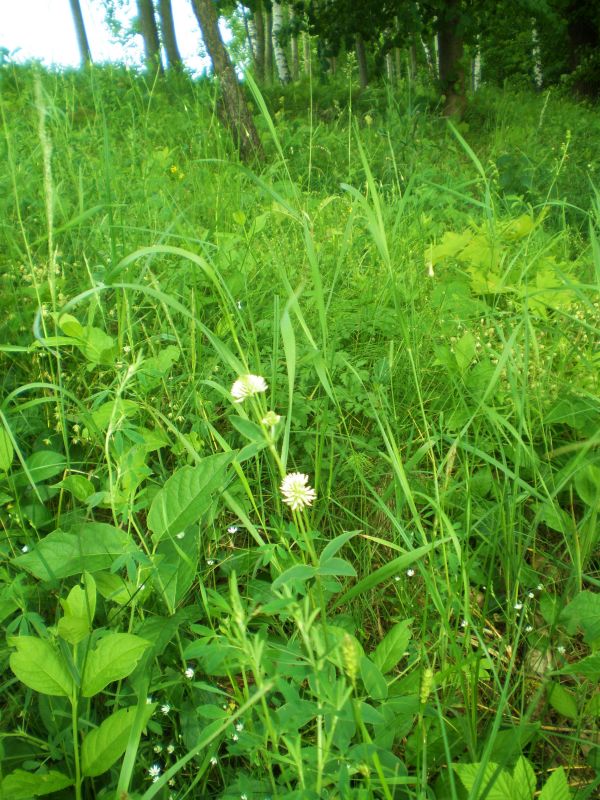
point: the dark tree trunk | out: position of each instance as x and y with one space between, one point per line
259 24
583 31
167 30
361 58
451 68
233 110
149 33
82 40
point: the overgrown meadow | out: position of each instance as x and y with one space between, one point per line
299 468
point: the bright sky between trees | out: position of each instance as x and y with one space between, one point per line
43 29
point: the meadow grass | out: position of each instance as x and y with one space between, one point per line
422 303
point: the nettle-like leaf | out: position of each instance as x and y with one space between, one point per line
107 743
584 612
498 783
40 666
115 657
97 346
187 495
556 787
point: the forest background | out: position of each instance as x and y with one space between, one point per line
300 408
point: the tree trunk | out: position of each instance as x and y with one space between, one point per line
281 63
268 47
361 58
149 33
451 68
167 30
233 111
389 66
295 57
259 25
82 40
306 53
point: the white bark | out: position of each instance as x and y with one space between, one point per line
281 63
538 75
306 53
476 73
252 37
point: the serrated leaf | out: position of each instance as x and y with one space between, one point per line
60 554
502 785
7 451
391 649
524 780
40 666
589 667
375 683
114 658
187 495
556 787
21 785
107 743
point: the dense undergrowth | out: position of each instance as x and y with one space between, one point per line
422 304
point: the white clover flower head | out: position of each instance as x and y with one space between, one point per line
154 772
165 708
232 529
189 673
270 419
296 492
247 386
410 573
170 749
214 761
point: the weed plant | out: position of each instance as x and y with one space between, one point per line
299 474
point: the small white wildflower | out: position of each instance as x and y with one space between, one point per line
142 587
528 628
170 749
243 797
540 587
154 772
149 700
158 748
214 761
180 535
239 727
430 272
172 782
561 649
210 562
530 595
239 304
271 419
127 349
232 529
189 673
25 549
235 737
518 606
464 623
296 491
410 573
165 708
247 386
397 578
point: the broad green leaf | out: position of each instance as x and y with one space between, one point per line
584 612
589 666
391 649
177 567
96 345
465 351
561 700
79 609
21 785
40 666
187 495
250 430
41 465
7 451
77 485
375 683
107 743
60 554
335 545
502 785
587 485
299 572
114 588
114 658
524 780
336 566
556 787
155 368
113 413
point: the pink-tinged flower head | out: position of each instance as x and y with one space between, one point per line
296 492
247 386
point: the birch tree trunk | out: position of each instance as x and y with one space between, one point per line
167 30
84 48
268 47
283 70
259 26
149 33
232 109
538 76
